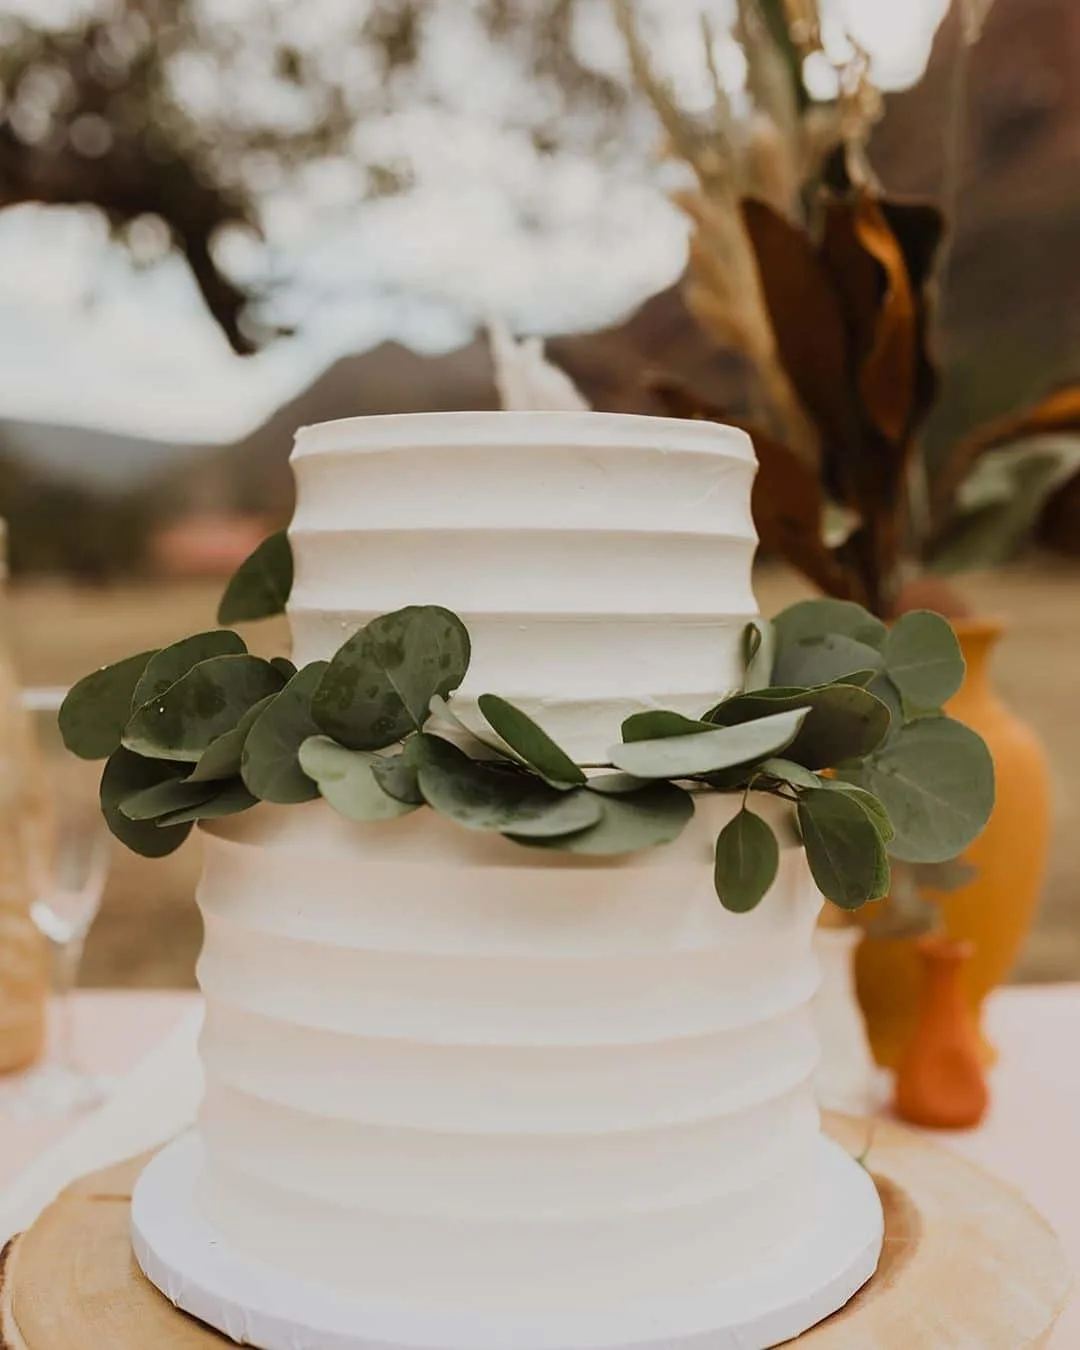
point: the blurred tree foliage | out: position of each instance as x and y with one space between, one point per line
58 527
175 117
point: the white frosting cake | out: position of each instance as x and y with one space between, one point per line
498 1098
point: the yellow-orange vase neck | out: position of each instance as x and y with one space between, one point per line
995 910
978 638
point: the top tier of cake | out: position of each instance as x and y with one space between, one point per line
601 563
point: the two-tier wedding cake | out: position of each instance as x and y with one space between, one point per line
464 1095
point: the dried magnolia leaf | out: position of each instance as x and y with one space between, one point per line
881 255
887 373
807 321
1060 411
918 228
789 509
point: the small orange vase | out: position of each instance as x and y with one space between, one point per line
995 910
941 1081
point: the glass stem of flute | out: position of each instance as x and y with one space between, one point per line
66 957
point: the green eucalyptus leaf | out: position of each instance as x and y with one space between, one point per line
262 584
780 693
863 678
284 666
653 815
815 618
174 794
869 803
883 874
759 644
478 745
843 848
530 741
827 659
708 751
842 722
658 724
883 688
923 659
168 665
93 715
380 684
230 799
789 772
221 758
126 774
488 796
395 775
201 706
616 784
935 778
426 748
270 764
347 781
747 859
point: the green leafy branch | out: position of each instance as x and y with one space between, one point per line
838 719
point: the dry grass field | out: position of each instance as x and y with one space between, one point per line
148 930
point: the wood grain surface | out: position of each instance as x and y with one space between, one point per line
967 1265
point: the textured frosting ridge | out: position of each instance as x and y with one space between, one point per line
449 1074
602 563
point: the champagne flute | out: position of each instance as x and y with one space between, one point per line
67 848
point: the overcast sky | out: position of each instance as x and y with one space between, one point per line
84 338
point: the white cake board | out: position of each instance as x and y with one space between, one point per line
258 1305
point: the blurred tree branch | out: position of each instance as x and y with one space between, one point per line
150 108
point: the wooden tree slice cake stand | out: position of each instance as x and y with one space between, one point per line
967 1263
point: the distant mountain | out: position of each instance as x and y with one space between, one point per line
252 474
87 457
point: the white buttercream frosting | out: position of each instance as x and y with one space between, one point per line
454 1076
601 562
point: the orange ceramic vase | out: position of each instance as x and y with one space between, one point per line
941 1080
995 910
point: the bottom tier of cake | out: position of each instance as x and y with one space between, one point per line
488 1097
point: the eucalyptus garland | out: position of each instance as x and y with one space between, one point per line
837 716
